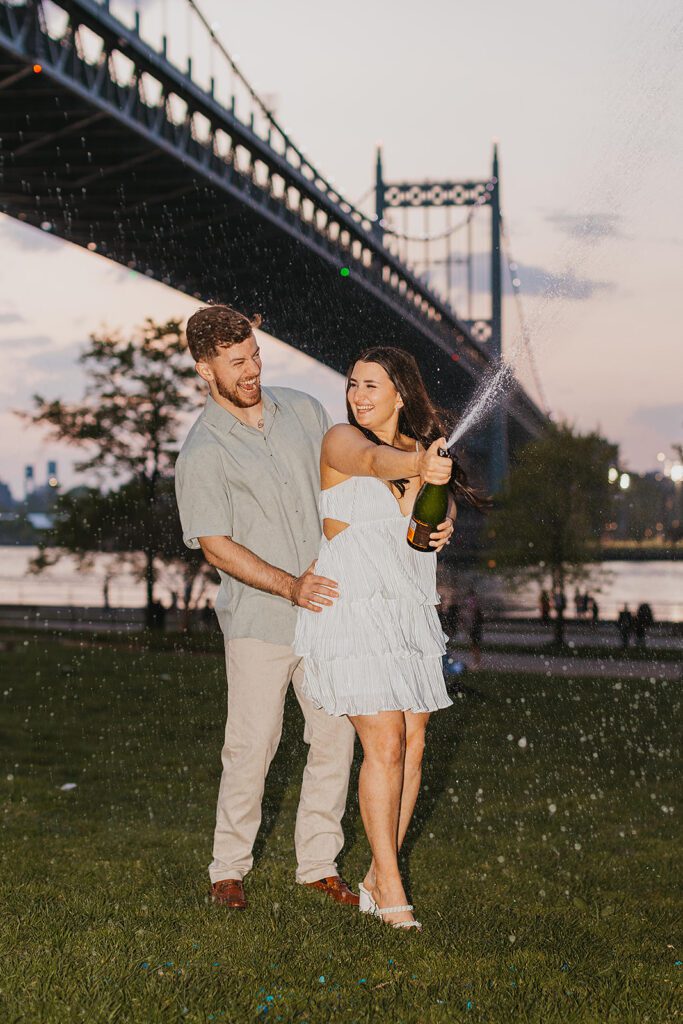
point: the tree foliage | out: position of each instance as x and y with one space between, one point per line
138 393
553 512
123 525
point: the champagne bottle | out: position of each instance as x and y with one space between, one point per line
430 509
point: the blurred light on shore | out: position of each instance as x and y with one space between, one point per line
677 472
624 481
612 474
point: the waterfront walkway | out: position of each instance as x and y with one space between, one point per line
509 645
575 667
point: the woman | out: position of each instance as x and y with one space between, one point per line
376 653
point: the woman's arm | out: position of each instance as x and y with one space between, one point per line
347 451
444 531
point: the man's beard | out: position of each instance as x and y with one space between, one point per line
234 395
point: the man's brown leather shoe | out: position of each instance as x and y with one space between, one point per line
337 889
229 892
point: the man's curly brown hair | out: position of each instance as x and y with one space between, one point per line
214 327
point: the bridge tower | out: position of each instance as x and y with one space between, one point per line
488 332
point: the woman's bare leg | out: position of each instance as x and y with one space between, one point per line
383 737
416 725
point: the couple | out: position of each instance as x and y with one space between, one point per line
349 619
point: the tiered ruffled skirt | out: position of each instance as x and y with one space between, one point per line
380 646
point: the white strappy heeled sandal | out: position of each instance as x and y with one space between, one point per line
398 910
369 906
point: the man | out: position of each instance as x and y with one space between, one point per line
642 621
247 484
625 625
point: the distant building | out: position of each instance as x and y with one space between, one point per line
648 509
42 499
7 502
40 521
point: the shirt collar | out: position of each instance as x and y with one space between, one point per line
221 418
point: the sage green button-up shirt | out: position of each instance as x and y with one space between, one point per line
261 488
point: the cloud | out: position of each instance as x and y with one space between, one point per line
21 344
27 237
591 227
533 280
11 318
537 281
57 360
665 419
667 240
54 372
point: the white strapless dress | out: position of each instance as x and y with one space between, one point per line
380 646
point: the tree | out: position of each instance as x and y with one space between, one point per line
127 424
122 524
553 511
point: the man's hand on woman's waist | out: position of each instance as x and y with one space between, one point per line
306 591
313 592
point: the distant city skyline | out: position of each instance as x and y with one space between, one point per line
585 109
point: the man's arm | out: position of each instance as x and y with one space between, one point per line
307 591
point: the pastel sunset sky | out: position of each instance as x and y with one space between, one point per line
585 101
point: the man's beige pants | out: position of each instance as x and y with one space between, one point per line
259 674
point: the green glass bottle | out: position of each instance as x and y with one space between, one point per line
430 509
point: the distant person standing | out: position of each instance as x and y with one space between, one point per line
474 624
207 615
559 603
625 625
577 603
595 612
544 607
643 621
450 612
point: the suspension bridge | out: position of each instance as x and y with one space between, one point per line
169 163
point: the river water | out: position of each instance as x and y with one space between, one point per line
659 583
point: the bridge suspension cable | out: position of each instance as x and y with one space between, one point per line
237 76
217 42
430 238
516 285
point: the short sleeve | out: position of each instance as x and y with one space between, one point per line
324 417
203 495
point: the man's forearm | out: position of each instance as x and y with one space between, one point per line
243 565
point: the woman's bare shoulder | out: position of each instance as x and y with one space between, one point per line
343 432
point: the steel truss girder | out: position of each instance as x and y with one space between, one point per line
385 278
443 193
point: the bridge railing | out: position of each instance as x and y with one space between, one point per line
206 61
222 112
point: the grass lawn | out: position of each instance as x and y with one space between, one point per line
542 860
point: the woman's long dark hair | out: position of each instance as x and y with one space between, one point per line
418 418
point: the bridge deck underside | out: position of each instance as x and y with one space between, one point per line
82 170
